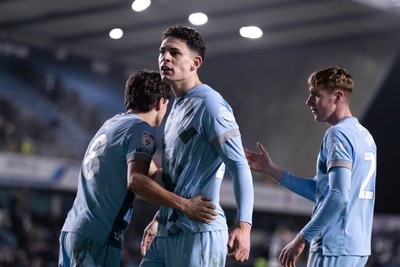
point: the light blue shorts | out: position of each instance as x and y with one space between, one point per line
76 250
188 249
316 259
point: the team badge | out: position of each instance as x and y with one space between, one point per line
225 115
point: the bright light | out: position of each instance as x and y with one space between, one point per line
198 18
116 33
252 32
140 5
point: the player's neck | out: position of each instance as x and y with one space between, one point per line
181 88
149 117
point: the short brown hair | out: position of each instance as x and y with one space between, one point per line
332 78
142 90
193 39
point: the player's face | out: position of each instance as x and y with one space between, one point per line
322 104
175 61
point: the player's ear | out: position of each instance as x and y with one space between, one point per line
197 60
338 95
159 103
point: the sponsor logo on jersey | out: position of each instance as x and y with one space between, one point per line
119 236
147 139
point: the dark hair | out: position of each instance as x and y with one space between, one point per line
193 39
332 78
143 89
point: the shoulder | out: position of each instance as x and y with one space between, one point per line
135 127
206 92
345 127
211 99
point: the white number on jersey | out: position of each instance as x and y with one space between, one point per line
364 194
91 163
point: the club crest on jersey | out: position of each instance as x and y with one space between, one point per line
225 115
147 139
336 145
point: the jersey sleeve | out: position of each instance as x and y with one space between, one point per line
339 149
302 186
218 121
231 152
337 199
140 141
223 133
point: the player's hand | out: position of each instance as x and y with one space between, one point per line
292 251
262 162
200 209
148 235
239 242
258 161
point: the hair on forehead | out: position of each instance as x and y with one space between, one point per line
332 78
190 36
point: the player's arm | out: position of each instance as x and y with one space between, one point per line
154 172
336 200
149 234
231 152
152 169
305 187
262 162
198 208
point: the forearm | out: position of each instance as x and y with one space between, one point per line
336 201
243 192
152 192
275 173
302 186
236 164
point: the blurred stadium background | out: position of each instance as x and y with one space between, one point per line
56 91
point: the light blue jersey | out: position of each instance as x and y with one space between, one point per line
103 205
347 147
201 137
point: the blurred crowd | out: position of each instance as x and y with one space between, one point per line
25 131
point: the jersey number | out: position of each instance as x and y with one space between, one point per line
364 194
91 163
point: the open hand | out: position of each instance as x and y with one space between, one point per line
200 208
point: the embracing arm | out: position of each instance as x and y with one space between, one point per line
198 208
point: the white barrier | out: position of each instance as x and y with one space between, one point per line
40 172
33 171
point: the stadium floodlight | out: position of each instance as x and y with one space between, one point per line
198 18
140 5
252 32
